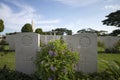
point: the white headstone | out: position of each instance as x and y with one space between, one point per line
26 47
47 38
11 41
109 41
88 52
86 45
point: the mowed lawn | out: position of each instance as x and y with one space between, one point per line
9 60
106 57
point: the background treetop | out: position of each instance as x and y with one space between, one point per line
1 25
113 19
27 28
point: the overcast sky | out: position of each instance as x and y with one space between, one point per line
51 14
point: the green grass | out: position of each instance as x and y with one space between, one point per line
6 47
7 59
100 49
106 57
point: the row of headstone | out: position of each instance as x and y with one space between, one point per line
109 41
11 40
26 46
47 38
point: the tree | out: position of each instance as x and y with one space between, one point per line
113 19
1 25
69 32
88 30
27 28
61 31
115 32
47 33
39 31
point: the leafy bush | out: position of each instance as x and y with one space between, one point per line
56 62
81 76
100 76
1 48
111 50
93 76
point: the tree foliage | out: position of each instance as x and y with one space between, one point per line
27 28
115 32
1 25
61 31
88 30
39 31
113 19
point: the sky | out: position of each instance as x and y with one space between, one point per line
51 14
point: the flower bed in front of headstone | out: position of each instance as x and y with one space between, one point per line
56 62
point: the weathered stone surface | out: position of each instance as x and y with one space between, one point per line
109 41
26 47
11 41
47 38
86 45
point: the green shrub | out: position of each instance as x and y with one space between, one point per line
100 76
81 76
93 76
1 48
111 50
56 62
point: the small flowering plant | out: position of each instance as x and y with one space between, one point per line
56 62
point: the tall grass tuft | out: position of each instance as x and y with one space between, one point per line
113 69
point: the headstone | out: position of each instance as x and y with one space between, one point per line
88 52
86 45
47 38
11 41
109 41
26 47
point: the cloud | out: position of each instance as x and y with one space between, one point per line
112 7
77 3
48 21
111 1
15 20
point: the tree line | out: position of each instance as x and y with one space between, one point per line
58 31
